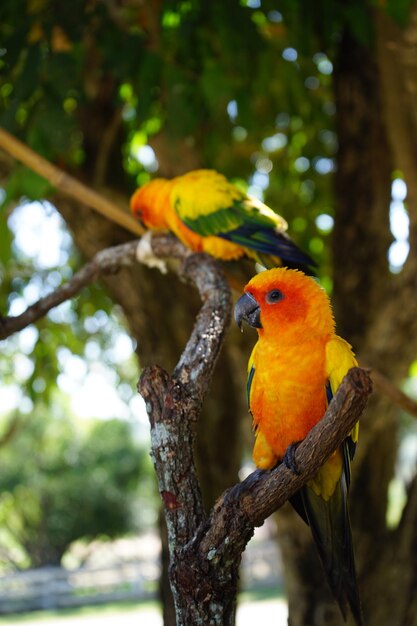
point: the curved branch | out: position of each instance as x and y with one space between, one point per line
173 404
263 492
106 261
206 569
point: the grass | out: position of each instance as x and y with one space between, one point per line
120 609
96 610
258 595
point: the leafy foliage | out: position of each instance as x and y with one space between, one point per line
74 483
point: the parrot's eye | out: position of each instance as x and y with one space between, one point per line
274 296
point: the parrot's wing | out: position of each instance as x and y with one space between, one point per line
209 205
324 498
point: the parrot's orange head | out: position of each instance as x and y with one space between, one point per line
282 302
149 203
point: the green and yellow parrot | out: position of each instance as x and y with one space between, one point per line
210 214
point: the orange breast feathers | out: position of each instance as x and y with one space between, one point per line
287 396
152 205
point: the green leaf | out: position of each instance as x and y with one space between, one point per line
25 182
5 240
399 10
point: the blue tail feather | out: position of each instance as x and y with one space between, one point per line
271 242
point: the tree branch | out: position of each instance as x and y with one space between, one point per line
263 492
207 567
106 261
385 386
174 402
67 184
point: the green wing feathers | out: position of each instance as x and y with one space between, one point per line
209 205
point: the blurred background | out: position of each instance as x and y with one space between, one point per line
311 108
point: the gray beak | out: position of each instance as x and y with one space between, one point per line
247 309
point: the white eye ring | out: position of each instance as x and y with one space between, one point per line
274 296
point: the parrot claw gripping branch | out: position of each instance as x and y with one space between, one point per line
289 457
146 255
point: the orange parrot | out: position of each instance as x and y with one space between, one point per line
295 368
210 214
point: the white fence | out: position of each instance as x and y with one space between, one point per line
55 587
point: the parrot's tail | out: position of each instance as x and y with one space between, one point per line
271 248
280 250
269 261
330 527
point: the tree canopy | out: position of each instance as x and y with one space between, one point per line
74 484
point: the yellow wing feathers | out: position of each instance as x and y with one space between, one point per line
203 192
339 360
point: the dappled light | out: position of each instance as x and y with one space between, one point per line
399 223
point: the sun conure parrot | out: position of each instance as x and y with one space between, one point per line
295 368
210 214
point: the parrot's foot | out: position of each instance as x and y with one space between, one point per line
145 254
289 458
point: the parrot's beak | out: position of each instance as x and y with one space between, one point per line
247 309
